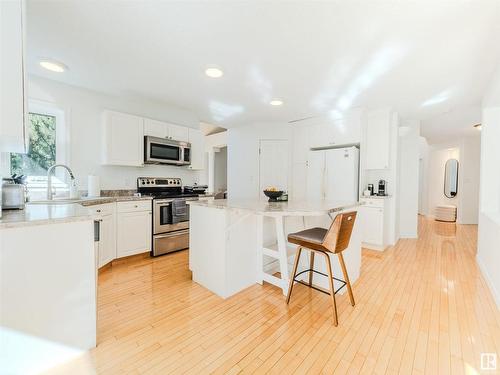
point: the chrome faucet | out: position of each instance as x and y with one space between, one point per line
49 178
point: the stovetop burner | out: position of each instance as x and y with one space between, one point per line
162 188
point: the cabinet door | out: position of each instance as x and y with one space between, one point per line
13 135
378 141
124 139
316 175
178 133
133 233
197 140
373 225
299 181
107 243
155 128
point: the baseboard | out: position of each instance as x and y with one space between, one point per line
372 246
494 291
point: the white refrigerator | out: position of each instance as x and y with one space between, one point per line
333 174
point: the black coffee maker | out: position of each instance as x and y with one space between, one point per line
382 188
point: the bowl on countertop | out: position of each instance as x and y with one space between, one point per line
273 195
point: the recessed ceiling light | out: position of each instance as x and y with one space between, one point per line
214 72
276 102
53 66
478 126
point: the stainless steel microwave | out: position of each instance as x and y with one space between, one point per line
166 151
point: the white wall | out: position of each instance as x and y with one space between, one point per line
488 254
409 178
243 157
83 110
469 174
423 198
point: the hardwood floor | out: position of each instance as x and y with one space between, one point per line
421 307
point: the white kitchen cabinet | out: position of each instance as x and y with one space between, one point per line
373 221
300 144
106 247
197 140
133 228
378 140
155 128
161 129
335 132
123 139
107 242
13 111
178 133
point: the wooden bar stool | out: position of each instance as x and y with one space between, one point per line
323 241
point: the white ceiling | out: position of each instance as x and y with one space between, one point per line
422 58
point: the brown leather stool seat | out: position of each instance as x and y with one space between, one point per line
333 240
310 238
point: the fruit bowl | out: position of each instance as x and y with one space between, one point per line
273 195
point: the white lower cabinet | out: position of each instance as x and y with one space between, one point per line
107 243
133 228
106 247
372 220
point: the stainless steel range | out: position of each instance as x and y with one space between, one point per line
170 213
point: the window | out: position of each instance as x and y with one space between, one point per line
46 147
41 150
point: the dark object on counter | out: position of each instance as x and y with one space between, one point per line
195 189
273 195
371 189
179 210
382 188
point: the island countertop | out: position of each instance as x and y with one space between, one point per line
287 208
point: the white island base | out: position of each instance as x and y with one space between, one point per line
235 244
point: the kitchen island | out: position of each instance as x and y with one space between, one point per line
237 243
48 276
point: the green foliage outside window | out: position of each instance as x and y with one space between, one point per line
42 147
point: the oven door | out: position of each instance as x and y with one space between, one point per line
163 217
162 151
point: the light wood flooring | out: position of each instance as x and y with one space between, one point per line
421 307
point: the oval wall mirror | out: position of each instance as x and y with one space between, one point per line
451 178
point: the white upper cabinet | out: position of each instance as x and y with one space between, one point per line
13 114
155 128
378 140
335 132
123 139
161 129
197 140
178 133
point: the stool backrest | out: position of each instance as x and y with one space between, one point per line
338 236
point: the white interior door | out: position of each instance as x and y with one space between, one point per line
273 164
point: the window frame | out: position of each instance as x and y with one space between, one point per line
62 137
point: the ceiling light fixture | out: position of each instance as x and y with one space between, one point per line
53 66
276 102
478 127
214 72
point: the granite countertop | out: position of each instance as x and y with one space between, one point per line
289 208
39 214
58 211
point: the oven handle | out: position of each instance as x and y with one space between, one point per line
172 234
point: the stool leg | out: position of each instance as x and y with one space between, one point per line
332 289
311 266
292 277
346 278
